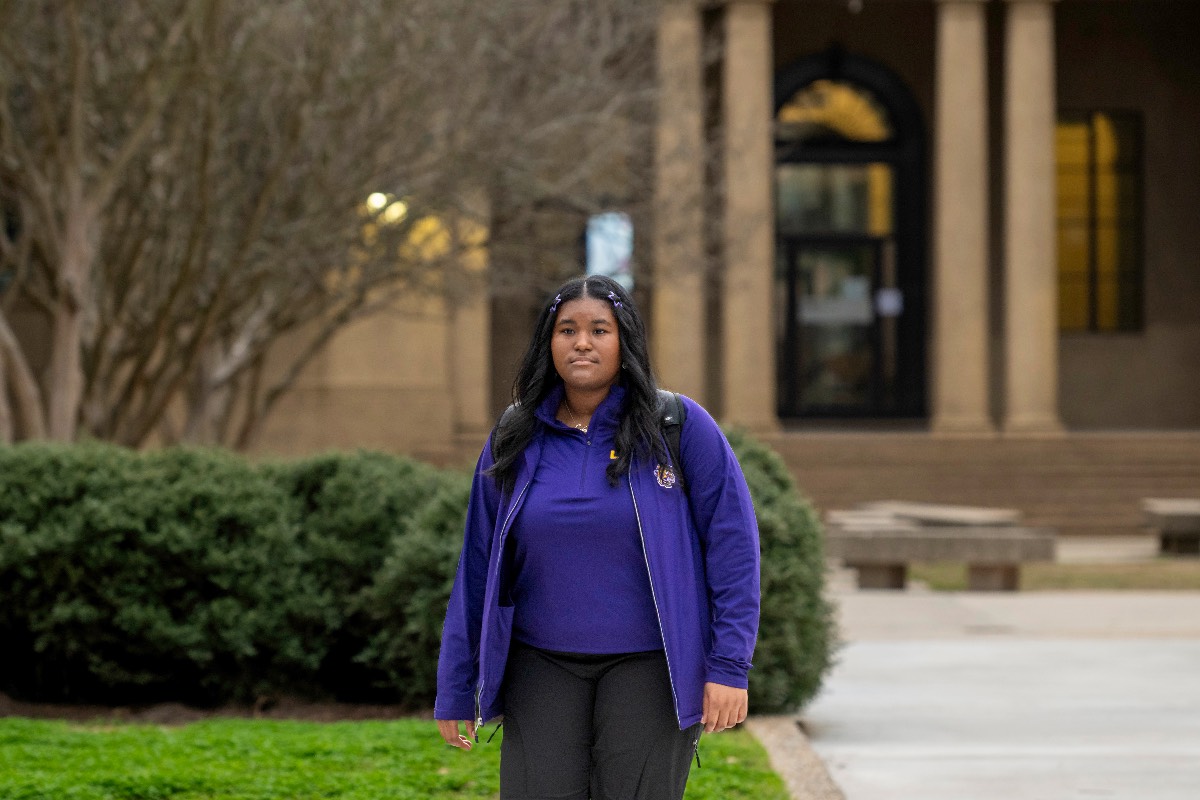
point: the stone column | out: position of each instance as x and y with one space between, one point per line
748 359
1030 241
679 303
960 331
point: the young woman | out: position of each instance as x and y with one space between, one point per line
606 602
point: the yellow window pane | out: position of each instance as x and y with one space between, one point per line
1071 143
1072 247
1099 218
1073 277
1073 194
879 199
833 108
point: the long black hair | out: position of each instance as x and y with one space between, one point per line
639 431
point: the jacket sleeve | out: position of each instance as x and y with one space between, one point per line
458 659
724 516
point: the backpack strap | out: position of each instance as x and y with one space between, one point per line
672 415
505 417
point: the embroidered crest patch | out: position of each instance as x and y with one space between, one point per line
665 476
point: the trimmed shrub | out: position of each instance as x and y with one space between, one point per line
353 510
407 601
130 577
796 636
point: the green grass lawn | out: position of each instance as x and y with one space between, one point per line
229 759
1161 574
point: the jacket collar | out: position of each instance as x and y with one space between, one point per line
606 419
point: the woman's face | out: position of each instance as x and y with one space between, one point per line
585 345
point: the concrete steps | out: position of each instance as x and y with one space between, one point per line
1081 484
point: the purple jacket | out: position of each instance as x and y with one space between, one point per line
702 556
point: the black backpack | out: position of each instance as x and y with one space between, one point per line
672 413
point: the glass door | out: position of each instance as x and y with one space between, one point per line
837 332
836 284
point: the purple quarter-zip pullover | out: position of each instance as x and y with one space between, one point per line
701 555
578 576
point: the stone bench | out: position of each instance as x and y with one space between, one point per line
1177 521
940 514
880 540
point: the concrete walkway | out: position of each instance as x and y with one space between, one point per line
1024 696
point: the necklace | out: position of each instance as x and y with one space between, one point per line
579 426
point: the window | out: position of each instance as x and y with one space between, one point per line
1099 222
831 109
816 199
608 245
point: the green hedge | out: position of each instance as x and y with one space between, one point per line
796 633
194 575
352 511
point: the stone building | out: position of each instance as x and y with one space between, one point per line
951 230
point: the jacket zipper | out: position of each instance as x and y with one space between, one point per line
653 594
587 455
499 557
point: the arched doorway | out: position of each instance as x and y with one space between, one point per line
850 199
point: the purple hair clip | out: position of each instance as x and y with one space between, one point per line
613 297
557 300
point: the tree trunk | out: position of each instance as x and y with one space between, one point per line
65 379
31 418
6 415
207 405
66 376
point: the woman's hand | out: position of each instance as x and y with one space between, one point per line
450 731
724 707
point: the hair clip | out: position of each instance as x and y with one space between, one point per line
613 297
557 300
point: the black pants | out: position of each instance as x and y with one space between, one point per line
599 726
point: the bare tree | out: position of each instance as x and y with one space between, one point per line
189 185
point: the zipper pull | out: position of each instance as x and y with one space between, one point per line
478 710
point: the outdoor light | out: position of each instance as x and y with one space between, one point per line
395 212
377 201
